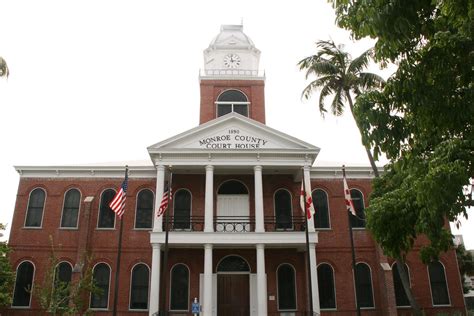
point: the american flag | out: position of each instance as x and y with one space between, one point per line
347 198
118 202
167 196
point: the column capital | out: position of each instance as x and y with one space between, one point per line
160 167
257 168
209 168
306 168
156 246
260 246
207 246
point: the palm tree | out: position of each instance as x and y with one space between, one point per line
338 75
342 77
4 72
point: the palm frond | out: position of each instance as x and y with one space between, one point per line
337 106
325 91
361 62
368 80
322 68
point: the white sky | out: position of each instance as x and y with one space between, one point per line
99 81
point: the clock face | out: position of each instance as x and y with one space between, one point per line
232 61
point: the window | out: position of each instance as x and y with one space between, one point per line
101 275
144 213
321 205
23 284
139 287
106 215
62 278
439 288
286 287
182 209
72 199
232 101
364 286
358 200
179 288
400 295
327 293
34 213
282 200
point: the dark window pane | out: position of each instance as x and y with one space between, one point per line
242 109
34 214
106 215
358 200
320 202
439 288
327 295
400 295
182 209
72 199
283 209
233 264
223 109
62 278
144 214
101 275
232 96
286 288
179 288
23 284
139 290
364 286
232 187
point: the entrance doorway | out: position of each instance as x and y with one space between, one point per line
233 284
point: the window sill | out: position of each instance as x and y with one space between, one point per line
69 228
32 227
99 228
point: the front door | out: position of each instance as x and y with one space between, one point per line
233 295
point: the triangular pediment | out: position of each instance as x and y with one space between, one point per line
233 132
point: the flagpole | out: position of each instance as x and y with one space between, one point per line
308 260
119 255
352 248
163 279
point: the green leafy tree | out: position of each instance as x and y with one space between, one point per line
422 120
339 76
7 276
4 72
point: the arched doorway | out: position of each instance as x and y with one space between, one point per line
233 207
233 294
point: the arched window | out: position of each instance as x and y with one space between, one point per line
439 288
62 279
101 275
23 284
358 200
364 292
282 200
400 295
232 187
182 209
34 213
106 215
233 264
179 288
286 287
144 212
327 293
72 199
232 101
139 287
321 206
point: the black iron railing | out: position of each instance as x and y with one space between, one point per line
241 224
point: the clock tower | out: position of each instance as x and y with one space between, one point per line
231 80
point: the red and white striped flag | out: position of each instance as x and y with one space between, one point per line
306 204
118 202
347 197
167 196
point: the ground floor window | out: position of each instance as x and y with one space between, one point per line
23 284
439 288
286 287
179 288
101 275
139 287
400 295
327 294
364 292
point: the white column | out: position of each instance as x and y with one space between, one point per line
261 281
314 278
209 200
155 279
160 186
307 184
207 301
259 227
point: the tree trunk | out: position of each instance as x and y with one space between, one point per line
400 263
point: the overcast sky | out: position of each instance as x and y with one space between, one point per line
99 81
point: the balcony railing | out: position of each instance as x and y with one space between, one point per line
237 224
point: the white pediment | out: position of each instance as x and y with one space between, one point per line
232 132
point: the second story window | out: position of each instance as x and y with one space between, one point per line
232 101
34 213
106 215
72 199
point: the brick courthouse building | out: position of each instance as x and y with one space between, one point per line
237 240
